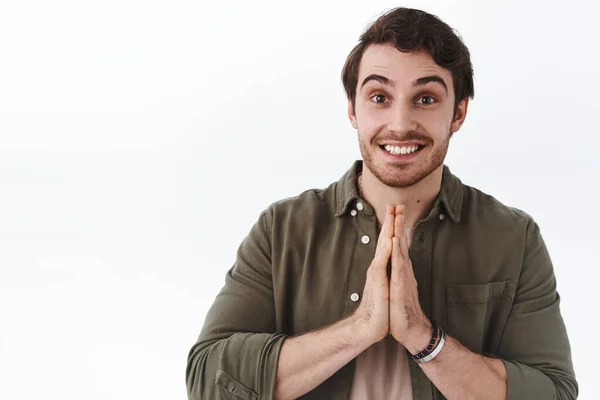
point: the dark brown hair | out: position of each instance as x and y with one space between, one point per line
411 30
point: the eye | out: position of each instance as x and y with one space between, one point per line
427 100
378 98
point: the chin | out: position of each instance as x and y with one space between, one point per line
403 181
403 176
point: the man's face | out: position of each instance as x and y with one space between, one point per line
404 114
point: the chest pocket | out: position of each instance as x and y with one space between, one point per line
476 314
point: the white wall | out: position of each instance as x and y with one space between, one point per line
137 145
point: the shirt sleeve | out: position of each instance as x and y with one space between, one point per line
237 352
534 346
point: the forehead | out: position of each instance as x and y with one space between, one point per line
400 67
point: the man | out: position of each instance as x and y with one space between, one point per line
398 281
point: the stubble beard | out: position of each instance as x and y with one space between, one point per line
406 175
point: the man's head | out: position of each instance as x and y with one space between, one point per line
408 84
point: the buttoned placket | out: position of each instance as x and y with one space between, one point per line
362 236
364 222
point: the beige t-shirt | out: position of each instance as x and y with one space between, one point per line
382 373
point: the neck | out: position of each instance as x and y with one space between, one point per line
418 199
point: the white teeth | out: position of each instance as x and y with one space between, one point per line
401 150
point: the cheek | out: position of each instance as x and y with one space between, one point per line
370 119
364 122
368 129
443 127
435 125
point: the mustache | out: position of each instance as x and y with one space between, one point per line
409 136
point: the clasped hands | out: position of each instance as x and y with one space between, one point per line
390 304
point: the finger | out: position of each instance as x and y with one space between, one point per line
399 256
383 250
397 260
403 237
387 229
398 221
401 265
399 208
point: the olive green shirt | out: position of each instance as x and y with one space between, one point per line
483 273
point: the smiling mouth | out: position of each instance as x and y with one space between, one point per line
401 150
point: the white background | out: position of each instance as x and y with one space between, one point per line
140 140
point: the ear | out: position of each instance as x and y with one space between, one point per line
351 115
461 114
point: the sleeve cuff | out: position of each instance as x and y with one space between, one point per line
248 365
524 382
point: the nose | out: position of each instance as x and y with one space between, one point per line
401 119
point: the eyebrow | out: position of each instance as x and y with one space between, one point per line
432 78
419 82
381 79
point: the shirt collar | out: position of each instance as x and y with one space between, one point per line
450 196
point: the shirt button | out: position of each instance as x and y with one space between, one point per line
360 206
353 213
442 216
365 239
354 297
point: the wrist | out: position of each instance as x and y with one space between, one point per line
420 338
368 331
362 331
